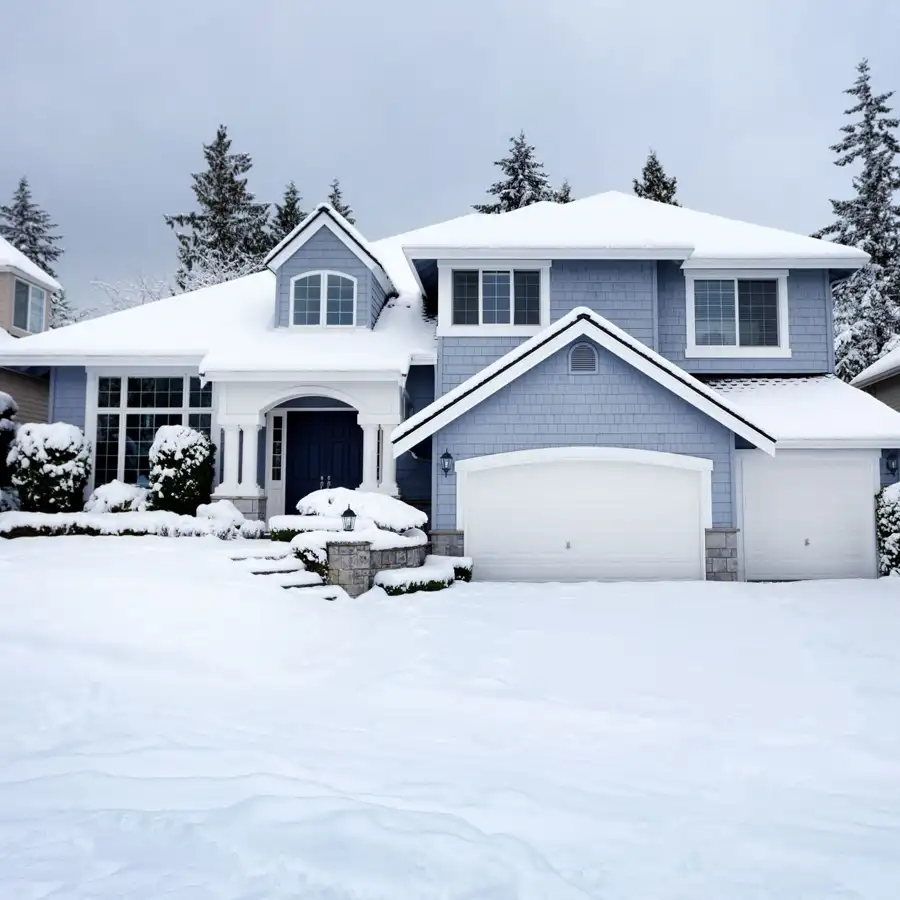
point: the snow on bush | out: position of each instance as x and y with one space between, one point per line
8 409
181 469
285 528
252 530
887 517
309 546
50 465
223 511
117 497
386 512
439 572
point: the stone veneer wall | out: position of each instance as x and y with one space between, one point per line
447 543
250 507
353 566
721 554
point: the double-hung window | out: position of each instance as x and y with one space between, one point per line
29 306
323 298
740 315
129 413
496 296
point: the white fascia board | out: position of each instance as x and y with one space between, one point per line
45 282
781 262
546 252
233 375
97 360
580 322
319 221
872 443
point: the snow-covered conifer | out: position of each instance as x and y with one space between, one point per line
182 464
654 184
336 201
524 181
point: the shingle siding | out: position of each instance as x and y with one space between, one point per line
324 250
621 291
809 322
30 393
68 395
617 407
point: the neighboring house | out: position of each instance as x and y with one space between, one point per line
25 291
611 388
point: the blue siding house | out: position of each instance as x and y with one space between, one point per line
610 388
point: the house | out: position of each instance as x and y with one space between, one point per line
611 388
25 291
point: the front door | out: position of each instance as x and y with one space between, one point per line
323 449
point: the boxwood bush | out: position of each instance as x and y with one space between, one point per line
182 467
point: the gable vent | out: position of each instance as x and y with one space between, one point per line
583 360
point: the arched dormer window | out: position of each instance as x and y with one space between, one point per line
583 360
323 298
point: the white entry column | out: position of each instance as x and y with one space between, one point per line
229 483
369 458
248 483
388 463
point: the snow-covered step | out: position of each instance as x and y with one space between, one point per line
296 579
261 550
272 566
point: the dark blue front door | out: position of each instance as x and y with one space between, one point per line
323 449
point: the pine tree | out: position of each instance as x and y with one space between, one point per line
288 214
654 184
564 194
867 305
30 229
61 311
336 200
231 228
525 182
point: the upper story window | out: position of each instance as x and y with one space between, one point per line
323 298
496 297
740 315
29 307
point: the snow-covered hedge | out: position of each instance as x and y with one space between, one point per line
286 528
182 466
887 515
309 546
117 497
386 512
132 524
50 467
8 409
439 572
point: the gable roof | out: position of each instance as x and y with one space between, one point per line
580 322
888 365
617 225
326 216
13 260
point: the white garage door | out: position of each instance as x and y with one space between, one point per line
808 515
593 513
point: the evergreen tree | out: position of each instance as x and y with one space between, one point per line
564 194
288 214
61 311
654 184
525 181
336 200
231 227
30 229
867 314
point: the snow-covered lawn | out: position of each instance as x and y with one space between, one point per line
173 726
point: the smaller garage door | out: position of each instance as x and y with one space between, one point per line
575 514
808 515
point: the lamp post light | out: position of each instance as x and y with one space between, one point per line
348 517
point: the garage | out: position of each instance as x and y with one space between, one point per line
573 514
808 514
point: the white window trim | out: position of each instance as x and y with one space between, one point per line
93 411
31 299
693 350
323 297
445 297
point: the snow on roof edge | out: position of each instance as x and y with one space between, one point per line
12 258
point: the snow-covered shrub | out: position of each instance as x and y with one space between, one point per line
117 497
252 530
887 516
223 511
181 469
50 465
386 512
8 409
462 567
437 573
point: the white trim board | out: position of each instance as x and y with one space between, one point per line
580 322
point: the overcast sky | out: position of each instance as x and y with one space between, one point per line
105 104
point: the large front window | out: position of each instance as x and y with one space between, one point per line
29 307
737 316
131 410
319 298
496 297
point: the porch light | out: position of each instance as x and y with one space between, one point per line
349 519
891 461
446 462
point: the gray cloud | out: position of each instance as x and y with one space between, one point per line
105 105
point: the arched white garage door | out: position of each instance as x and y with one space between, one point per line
572 514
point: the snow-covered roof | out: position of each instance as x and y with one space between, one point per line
813 411
888 365
614 223
13 260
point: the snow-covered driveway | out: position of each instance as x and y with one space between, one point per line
172 727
